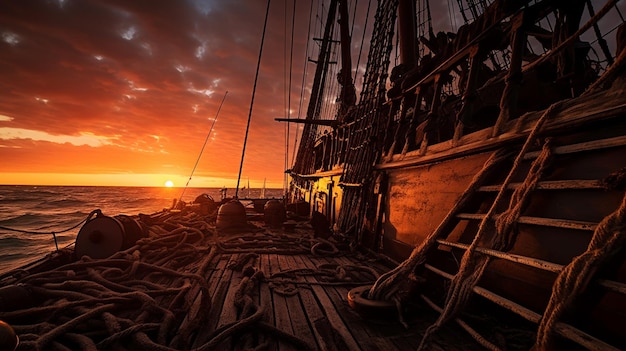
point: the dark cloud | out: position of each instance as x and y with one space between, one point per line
147 77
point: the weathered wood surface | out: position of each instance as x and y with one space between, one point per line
419 198
317 312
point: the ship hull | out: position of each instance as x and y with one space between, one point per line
414 192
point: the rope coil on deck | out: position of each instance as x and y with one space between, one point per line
100 303
113 302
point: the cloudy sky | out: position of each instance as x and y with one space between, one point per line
124 92
121 92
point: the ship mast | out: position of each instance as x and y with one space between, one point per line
304 159
407 33
347 96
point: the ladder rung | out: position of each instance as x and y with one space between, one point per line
586 146
564 329
473 333
549 222
527 261
534 262
551 185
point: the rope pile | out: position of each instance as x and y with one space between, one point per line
330 274
141 298
283 244
109 303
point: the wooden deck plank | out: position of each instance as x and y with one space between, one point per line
361 329
281 309
218 283
229 311
299 321
324 333
266 296
334 317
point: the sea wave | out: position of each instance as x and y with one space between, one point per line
69 202
46 209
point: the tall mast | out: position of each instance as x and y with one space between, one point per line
348 92
407 33
317 93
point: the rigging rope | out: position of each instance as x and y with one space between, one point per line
256 78
353 18
203 146
358 61
287 126
304 74
54 233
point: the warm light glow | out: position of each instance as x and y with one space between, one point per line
169 183
124 179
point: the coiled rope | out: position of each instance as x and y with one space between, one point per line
114 302
105 303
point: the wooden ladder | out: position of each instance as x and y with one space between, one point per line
461 212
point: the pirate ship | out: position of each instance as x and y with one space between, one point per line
471 197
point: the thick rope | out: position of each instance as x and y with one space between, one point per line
286 283
608 238
506 222
386 285
473 264
103 303
114 302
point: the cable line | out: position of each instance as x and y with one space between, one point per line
203 146
54 233
256 78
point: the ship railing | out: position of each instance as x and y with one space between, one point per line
417 118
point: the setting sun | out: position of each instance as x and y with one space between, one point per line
169 183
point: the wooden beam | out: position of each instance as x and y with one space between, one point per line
350 185
548 222
318 122
586 146
527 261
480 141
551 185
614 286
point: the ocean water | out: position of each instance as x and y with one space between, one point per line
47 209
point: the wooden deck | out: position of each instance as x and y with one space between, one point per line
188 287
308 306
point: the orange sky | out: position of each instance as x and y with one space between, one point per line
119 92
124 92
